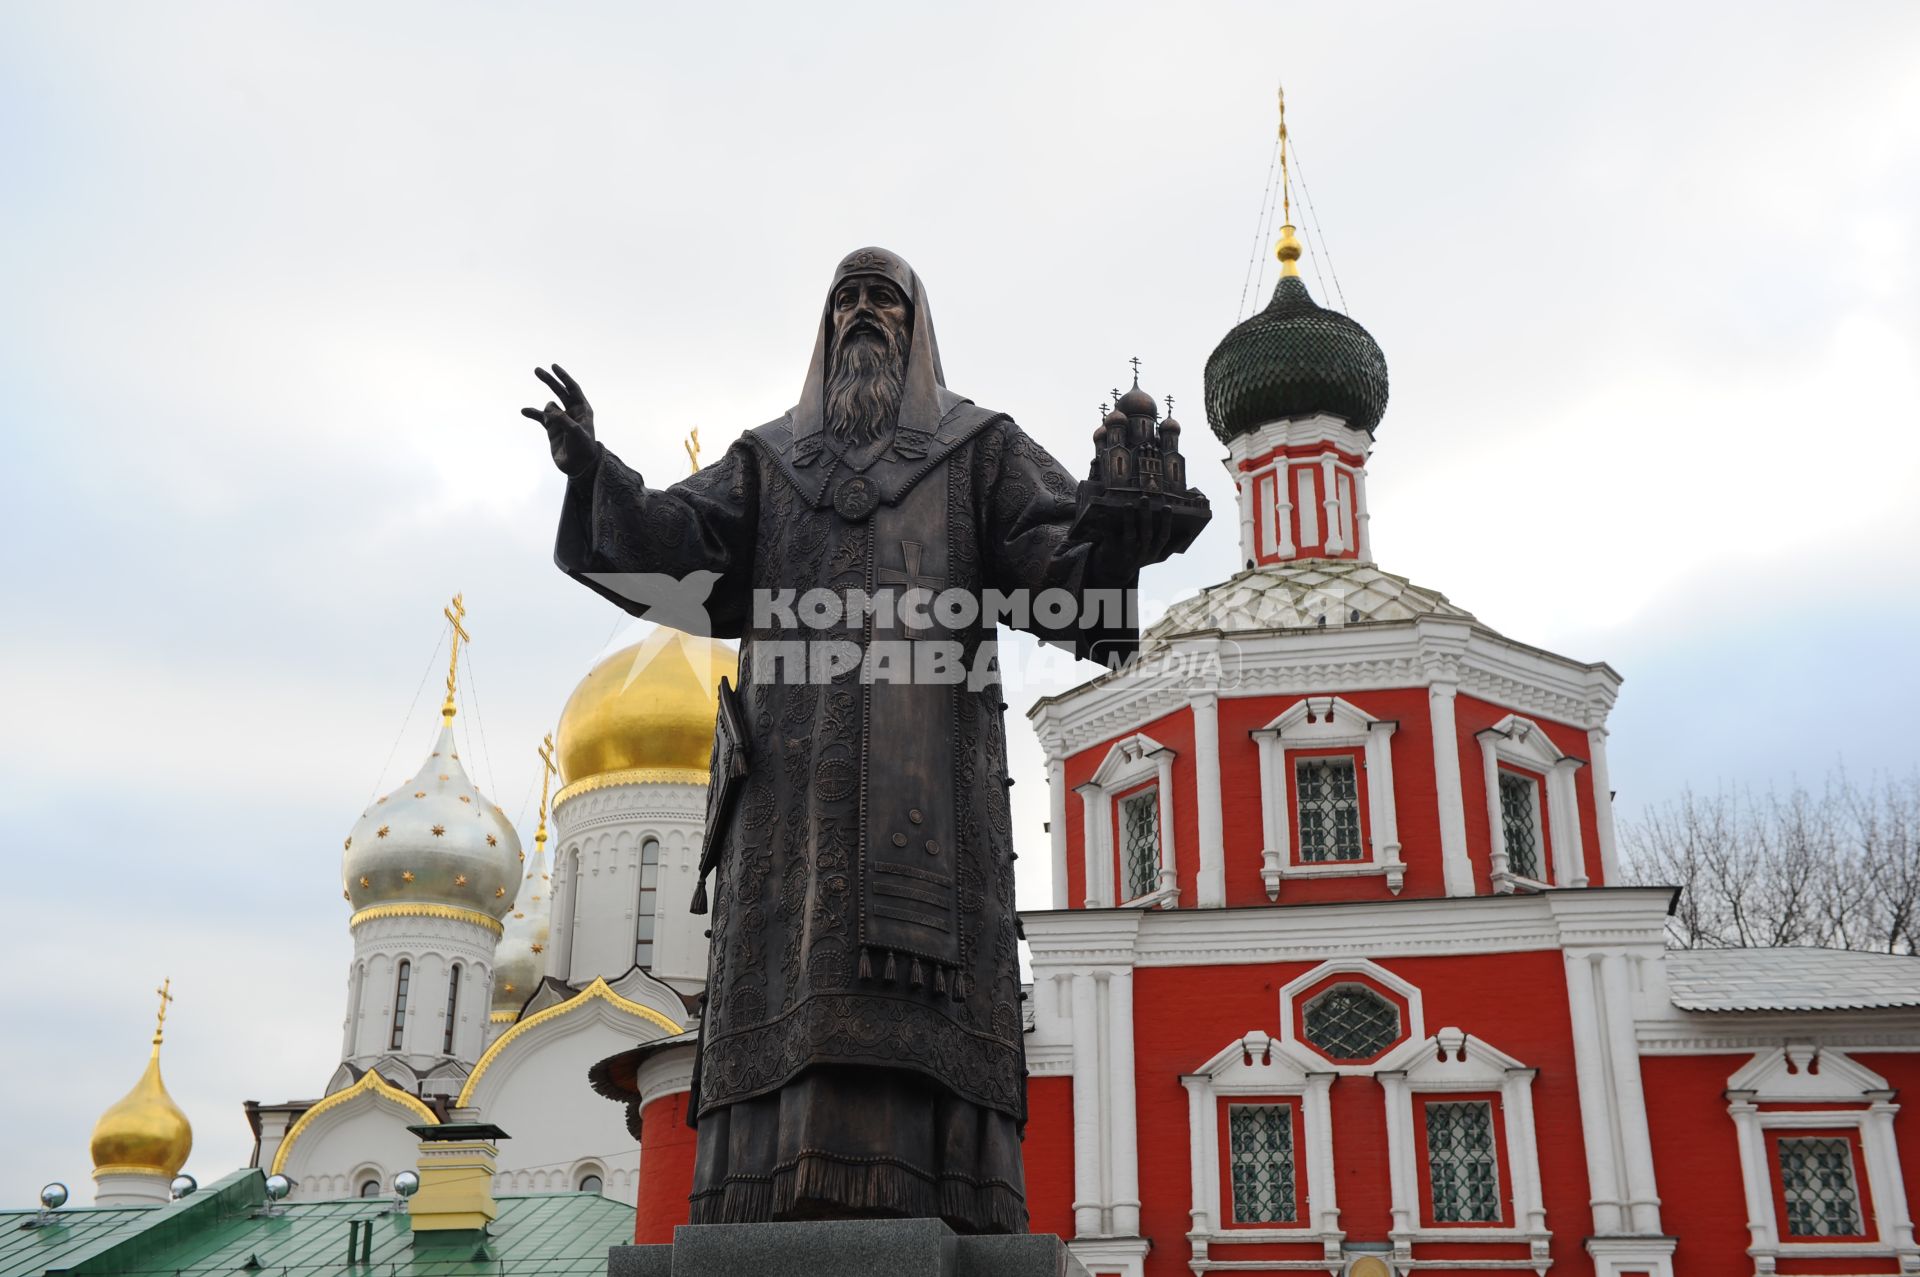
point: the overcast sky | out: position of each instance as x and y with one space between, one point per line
272 281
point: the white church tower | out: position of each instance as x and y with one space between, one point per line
430 870
635 740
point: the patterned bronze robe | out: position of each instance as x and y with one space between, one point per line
861 1049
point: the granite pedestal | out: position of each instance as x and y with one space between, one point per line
844 1248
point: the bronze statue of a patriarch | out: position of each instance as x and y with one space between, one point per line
860 1051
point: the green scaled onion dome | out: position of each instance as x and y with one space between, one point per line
1294 359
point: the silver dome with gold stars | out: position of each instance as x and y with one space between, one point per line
519 955
436 840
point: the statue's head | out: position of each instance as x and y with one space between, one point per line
870 327
875 363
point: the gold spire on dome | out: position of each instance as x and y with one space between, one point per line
144 1132
1288 250
453 615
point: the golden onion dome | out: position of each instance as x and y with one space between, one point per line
647 707
436 840
144 1133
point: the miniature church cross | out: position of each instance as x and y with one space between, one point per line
160 1021
453 615
1135 361
692 445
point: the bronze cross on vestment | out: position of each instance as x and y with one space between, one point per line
910 554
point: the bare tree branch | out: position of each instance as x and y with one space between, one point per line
1838 868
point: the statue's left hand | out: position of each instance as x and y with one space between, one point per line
1136 538
569 427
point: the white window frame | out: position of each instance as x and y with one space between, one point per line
1260 1067
1786 1075
1132 762
1521 744
1303 989
1447 1063
1338 724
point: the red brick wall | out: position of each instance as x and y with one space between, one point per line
666 1169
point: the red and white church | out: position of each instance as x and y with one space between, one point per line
1341 975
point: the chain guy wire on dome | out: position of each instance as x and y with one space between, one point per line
406 722
1319 236
1276 199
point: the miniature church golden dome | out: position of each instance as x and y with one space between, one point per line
144 1133
649 706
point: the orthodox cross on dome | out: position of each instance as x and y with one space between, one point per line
453 615
1135 361
1169 405
692 445
547 771
160 1021
1286 190
1288 249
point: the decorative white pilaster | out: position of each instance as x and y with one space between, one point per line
1330 503
1516 1096
1563 809
1381 808
1087 1065
1499 862
1169 879
1122 1114
1603 805
1317 1117
1361 519
1210 885
1629 1096
1093 830
1400 1155
1283 512
1274 837
1246 487
1457 869
1886 1180
1753 1160
1057 825
1591 1067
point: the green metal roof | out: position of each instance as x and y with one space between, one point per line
224 1231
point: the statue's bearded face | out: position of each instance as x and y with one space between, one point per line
872 327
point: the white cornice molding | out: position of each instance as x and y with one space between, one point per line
667 1071
640 800
1366 656
1667 1030
1297 432
1616 918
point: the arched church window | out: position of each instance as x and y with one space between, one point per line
649 889
400 982
591 1183
369 1188
1351 1022
453 1005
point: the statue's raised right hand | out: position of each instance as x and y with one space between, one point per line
569 427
